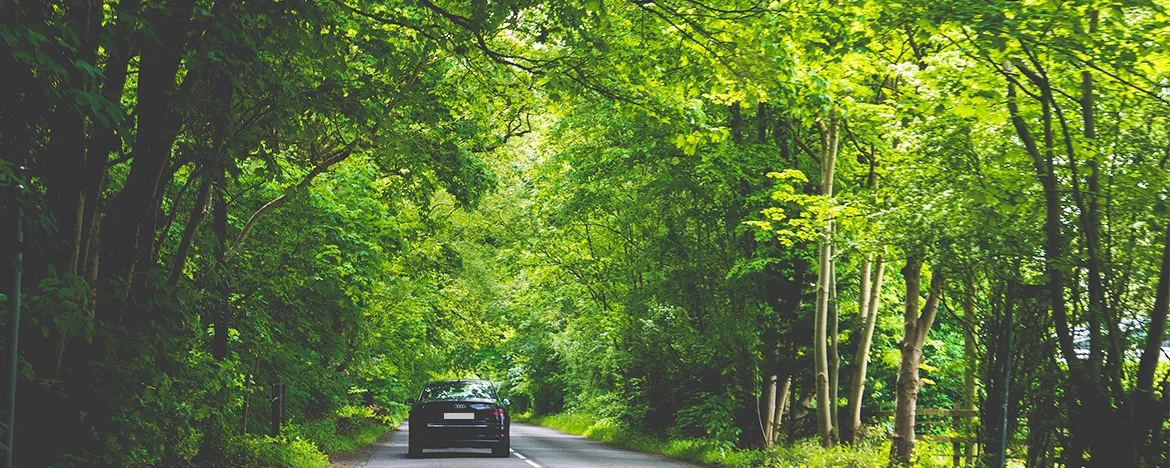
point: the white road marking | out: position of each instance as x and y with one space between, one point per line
526 460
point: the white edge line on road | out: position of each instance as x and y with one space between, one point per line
522 457
530 462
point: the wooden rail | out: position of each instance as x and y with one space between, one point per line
959 445
950 413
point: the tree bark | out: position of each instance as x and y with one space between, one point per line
1053 240
137 202
1149 409
970 391
770 398
915 328
828 132
834 348
781 407
198 214
1098 425
220 275
869 303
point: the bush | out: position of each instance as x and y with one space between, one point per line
276 452
351 427
809 453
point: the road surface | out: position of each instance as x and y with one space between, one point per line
532 447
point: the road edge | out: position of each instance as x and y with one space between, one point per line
360 456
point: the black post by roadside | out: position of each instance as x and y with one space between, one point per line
277 408
14 314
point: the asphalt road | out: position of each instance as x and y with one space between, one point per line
532 447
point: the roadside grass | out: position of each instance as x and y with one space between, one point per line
606 430
805 453
308 445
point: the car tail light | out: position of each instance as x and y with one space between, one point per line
498 412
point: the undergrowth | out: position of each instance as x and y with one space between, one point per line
806 453
308 445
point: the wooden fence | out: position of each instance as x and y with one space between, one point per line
962 447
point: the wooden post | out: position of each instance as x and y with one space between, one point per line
277 408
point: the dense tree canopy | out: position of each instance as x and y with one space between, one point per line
698 219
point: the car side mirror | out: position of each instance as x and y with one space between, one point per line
506 402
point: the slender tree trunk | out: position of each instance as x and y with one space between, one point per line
915 328
869 303
198 213
224 95
770 398
971 366
1097 423
220 276
834 348
781 407
828 132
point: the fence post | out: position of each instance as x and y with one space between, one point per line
956 445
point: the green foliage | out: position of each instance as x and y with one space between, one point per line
804 453
276 452
711 417
809 453
351 427
693 449
609 208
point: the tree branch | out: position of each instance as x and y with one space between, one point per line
272 205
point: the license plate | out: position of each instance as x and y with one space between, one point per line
458 415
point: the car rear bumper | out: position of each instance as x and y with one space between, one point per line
460 435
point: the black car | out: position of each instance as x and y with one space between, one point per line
459 413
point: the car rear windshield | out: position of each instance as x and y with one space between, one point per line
458 391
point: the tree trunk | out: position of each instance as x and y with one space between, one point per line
970 392
1150 413
781 406
915 328
834 348
220 275
770 409
996 409
137 202
828 132
1097 423
198 213
869 303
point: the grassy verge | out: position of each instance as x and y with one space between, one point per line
806 453
308 445
698 450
